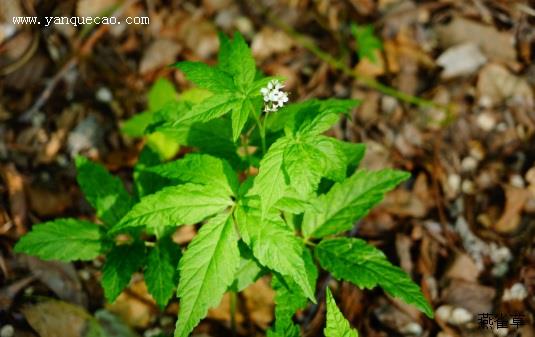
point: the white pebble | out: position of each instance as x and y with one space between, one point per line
517 292
460 316
444 312
104 95
413 329
454 182
468 187
516 180
469 164
7 331
486 121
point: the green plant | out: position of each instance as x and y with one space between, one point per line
367 42
286 220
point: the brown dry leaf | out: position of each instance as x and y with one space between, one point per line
404 203
60 277
8 293
135 306
268 42
56 318
371 69
47 203
474 297
495 44
159 54
184 234
515 199
496 84
463 268
259 302
222 312
200 36
17 200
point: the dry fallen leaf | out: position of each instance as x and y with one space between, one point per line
17 200
515 199
159 54
496 85
135 306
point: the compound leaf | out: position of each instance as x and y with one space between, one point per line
207 77
121 262
365 266
63 239
161 273
346 202
103 191
337 325
206 270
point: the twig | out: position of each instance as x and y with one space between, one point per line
366 81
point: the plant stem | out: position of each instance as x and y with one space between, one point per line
262 131
367 81
233 300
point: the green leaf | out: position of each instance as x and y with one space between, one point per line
161 274
121 262
338 156
200 169
211 108
135 126
206 270
63 239
367 42
337 325
365 266
147 182
207 77
274 245
289 298
240 115
176 205
270 183
160 93
346 202
249 271
236 58
110 200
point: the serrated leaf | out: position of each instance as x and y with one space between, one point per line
289 298
206 270
63 239
236 58
249 271
365 266
346 202
135 126
240 115
274 245
174 206
338 156
110 200
211 108
337 325
270 183
200 169
207 77
161 273
146 182
367 42
121 262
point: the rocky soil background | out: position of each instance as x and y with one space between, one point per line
463 227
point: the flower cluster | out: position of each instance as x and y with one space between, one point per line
274 98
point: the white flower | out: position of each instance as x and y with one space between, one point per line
274 98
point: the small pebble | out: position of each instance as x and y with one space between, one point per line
486 121
84 274
412 329
104 95
460 316
7 331
468 187
454 183
517 292
516 180
444 312
469 164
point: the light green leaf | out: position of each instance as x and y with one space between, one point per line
346 202
367 42
174 206
121 262
200 169
338 156
63 239
206 270
337 325
270 183
110 200
240 115
249 271
161 274
236 58
207 77
365 266
135 126
211 108
160 93
274 245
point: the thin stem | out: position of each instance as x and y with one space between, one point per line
262 131
233 300
368 82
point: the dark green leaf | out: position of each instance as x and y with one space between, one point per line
161 274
